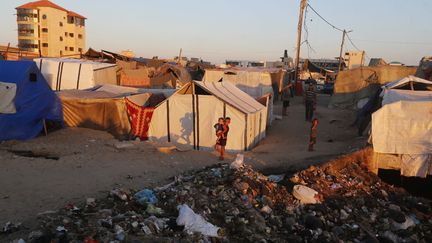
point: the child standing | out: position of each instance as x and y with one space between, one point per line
313 134
219 127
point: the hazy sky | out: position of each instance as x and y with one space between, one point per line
398 30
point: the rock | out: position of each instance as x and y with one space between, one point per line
313 222
397 216
337 231
343 214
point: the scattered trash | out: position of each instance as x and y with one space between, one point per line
238 162
145 196
220 204
276 178
10 228
305 194
195 223
120 194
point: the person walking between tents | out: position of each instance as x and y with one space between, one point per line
310 101
313 134
223 139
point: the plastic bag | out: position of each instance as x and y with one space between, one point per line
145 196
305 194
238 162
194 222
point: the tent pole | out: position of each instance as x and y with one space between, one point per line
45 127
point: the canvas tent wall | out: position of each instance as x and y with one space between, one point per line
403 131
408 88
253 82
188 116
64 74
26 101
103 108
359 84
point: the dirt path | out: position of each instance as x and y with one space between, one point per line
90 165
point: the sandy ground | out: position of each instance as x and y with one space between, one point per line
90 165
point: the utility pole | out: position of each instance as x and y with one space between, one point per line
341 49
299 30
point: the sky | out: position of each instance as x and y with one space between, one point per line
216 30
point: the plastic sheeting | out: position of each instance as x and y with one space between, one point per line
403 127
254 82
188 119
34 101
64 74
359 83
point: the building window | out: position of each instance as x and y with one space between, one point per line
61 53
66 48
61 24
79 50
71 20
44 44
45 30
66 34
71 49
80 36
44 16
61 38
71 34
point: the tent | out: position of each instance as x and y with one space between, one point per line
408 88
355 86
254 82
64 74
114 109
188 116
26 101
402 137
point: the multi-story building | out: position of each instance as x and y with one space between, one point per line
50 30
354 59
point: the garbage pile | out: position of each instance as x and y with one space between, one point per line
234 203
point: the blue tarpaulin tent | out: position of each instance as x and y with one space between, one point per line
34 101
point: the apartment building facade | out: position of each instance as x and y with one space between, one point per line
51 30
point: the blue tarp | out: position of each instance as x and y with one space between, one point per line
34 101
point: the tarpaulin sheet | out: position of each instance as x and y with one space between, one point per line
403 127
108 114
140 117
34 101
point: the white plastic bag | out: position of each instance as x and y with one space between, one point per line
238 162
305 194
194 222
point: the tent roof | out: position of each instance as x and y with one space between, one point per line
95 65
15 71
231 95
401 82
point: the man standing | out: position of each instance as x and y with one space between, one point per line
310 101
223 139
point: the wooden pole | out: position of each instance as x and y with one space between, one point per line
180 56
299 32
7 51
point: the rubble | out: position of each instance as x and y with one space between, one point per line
220 204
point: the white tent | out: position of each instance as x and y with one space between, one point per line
188 116
66 73
254 82
409 88
404 128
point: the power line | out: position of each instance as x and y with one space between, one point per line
396 42
325 20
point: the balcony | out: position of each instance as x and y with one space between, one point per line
26 32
